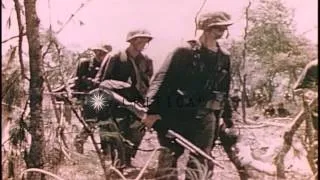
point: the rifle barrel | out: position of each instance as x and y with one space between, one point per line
195 148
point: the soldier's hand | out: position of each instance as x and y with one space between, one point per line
149 120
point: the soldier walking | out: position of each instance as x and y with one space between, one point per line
189 94
85 73
135 68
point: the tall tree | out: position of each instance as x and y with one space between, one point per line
35 157
272 38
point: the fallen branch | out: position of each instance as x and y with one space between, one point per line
147 163
261 125
118 172
41 171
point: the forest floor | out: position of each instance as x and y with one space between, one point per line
260 141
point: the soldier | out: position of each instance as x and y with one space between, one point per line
235 99
287 96
269 111
281 111
85 73
309 80
135 68
189 94
260 99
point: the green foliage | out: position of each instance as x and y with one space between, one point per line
274 50
271 28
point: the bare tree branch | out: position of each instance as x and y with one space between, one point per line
41 171
197 14
243 79
72 16
20 26
13 37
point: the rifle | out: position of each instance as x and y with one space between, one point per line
140 111
191 147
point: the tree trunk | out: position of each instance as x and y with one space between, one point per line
243 102
35 157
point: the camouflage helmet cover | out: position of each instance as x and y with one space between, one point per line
139 33
208 20
104 48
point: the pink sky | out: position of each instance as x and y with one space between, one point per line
169 20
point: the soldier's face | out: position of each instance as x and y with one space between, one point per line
217 31
100 54
140 43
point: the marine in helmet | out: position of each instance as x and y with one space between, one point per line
173 88
308 81
131 66
83 82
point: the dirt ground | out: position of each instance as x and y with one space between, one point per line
260 141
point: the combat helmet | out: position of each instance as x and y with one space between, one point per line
138 33
208 20
104 48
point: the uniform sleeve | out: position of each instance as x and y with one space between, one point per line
163 83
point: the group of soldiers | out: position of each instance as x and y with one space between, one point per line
268 111
280 110
189 94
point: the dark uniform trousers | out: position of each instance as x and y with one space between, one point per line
201 131
123 133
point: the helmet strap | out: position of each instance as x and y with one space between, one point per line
228 33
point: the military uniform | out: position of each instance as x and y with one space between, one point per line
235 99
137 71
260 100
190 93
282 111
86 71
269 111
309 80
